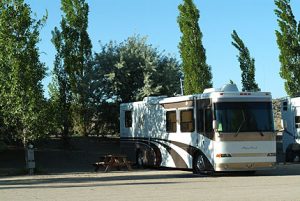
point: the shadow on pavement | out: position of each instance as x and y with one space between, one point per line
135 177
101 179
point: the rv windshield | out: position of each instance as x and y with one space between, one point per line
244 116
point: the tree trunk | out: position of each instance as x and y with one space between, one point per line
65 135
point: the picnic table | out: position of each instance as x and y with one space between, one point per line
112 160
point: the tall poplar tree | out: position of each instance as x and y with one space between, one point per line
247 64
60 91
197 73
73 62
21 72
288 40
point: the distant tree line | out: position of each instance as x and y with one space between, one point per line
87 87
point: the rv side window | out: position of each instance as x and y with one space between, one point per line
284 106
297 121
186 121
200 123
128 119
171 121
208 120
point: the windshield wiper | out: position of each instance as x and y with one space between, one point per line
241 125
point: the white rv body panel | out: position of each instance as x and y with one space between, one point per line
171 132
248 151
290 117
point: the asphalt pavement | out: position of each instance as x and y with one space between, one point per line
282 183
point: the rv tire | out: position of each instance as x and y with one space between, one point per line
139 159
289 155
199 164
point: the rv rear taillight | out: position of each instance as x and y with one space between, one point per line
221 94
223 155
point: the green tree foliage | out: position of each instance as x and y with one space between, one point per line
247 64
22 103
127 72
133 69
288 40
197 74
73 67
60 93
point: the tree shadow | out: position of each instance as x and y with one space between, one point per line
101 179
134 178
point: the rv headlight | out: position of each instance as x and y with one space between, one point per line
223 155
271 154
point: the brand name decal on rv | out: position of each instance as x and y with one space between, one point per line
249 147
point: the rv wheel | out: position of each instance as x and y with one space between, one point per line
139 159
289 155
199 165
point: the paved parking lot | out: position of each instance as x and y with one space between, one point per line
283 183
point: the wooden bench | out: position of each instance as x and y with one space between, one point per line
110 161
97 165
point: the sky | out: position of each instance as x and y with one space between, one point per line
116 20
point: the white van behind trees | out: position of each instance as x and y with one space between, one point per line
219 130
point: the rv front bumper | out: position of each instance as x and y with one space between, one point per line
244 166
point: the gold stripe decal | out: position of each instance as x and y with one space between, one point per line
249 155
253 136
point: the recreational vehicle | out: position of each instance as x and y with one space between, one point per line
218 130
290 118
